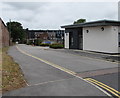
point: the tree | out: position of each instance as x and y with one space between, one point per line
79 21
17 32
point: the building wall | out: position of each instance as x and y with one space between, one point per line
119 38
101 41
4 35
119 11
66 42
0 34
53 35
73 37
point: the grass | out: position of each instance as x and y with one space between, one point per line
12 77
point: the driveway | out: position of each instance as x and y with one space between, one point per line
52 73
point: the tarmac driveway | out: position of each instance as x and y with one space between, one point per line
46 80
69 61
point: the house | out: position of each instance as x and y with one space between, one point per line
53 35
99 36
4 35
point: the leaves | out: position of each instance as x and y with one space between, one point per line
79 21
17 31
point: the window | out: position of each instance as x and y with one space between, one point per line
87 31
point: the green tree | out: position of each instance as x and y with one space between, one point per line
79 21
17 31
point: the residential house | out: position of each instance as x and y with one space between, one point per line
53 35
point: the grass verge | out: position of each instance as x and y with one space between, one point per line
12 77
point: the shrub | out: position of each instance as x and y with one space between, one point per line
56 46
37 42
30 42
44 44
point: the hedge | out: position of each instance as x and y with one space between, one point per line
44 44
56 46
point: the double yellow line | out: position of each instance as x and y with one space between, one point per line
113 91
104 86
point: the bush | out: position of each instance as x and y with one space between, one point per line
56 46
44 44
37 42
30 42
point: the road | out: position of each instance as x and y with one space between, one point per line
52 73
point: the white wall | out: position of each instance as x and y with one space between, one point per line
101 41
66 42
119 11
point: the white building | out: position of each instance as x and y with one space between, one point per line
119 11
99 36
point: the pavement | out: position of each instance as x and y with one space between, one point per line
54 73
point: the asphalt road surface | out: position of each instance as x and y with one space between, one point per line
52 73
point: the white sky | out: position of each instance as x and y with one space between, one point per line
52 15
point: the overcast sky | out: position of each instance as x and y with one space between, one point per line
52 15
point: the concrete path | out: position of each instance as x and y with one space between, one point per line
46 80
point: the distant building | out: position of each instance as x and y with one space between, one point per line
53 35
99 36
4 35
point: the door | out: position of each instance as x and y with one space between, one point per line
80 39
71 45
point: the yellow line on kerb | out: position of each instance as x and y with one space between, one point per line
49 63
113 91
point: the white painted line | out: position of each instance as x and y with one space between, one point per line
49 82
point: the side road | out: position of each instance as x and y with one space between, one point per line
115 58
46 80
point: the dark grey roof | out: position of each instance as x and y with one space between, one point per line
94 24
45 30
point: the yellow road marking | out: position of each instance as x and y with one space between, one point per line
61 68
103 86
49 63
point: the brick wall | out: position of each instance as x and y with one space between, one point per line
4 34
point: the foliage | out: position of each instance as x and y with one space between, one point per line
30 42
44 44
56 45
37 42
17 31
79 21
